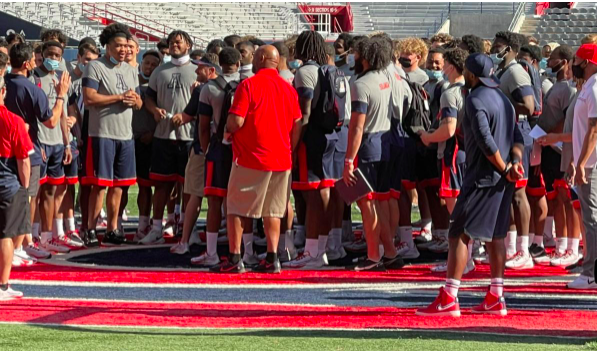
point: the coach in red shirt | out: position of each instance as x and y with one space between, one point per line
264 122
15 169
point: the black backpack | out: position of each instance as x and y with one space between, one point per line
419 114
229 89
332 94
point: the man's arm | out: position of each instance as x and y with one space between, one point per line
526 107
24 167
446 130
588 145
296 134
485 141
305 104
91 97
152 107
204 129
234 123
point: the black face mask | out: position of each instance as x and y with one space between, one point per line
358 66
578 72
406 63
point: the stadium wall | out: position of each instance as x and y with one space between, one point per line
485 25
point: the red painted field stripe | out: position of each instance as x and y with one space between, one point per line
408 274
214 315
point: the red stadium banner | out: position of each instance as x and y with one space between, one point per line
340 15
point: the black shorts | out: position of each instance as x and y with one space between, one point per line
525 129
52 170
451 172
169 160
483 213
71 171
218 164
394 170
34 181
14 215
320 164
408 171
110 162
143 163
426 167
550 167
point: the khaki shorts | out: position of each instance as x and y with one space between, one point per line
255 194
194 182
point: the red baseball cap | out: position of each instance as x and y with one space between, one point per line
588 52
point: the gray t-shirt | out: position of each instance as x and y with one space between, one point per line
66 66
401 93
211 99
370 95
246 72
546 84
306 82
112 121
555 104
170 88
515 82
451 105
567 155
287 75
46 135
143 121
417 76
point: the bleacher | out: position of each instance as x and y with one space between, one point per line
567 26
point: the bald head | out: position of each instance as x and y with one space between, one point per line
266 56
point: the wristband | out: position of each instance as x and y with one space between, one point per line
515 160
67 146
348 160
505 172
60 98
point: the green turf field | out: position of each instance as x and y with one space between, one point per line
49 338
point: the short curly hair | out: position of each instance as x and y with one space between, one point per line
442 38
115 29
376 51
47 34
229 56
473 43
413 46
456 57
513 40
533 51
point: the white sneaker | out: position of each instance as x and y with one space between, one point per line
194 239
68 242
54 246
424 245
407 252
335 253
424 237
305 261
154 237
22 254
582 282
75 237
482 259
299 238
101 223
10 294
478 249
360 245
549 241
141 233
18 262
567 259
251 260
180 248
260 241
37 252
545 260
169 229
443 267
520 261
205 260
324 258
440 246
125 217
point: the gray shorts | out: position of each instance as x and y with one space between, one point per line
34 181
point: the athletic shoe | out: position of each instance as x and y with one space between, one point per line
10 294
336 254
101 223
443 305
520 261
22 254
567 259
55 246
68 242
169 229
483 259
19 262
194 239
229 267
286 255
251 260
205 260
549 241
37 252
582 282
439 246
73 235
141 233
260 241
371 266
358 246
392 263
406 252
266 267
478 249
305 261
545 260
443 267
90 238
114 238
180 248
154 237
299 238
537 251
492 305
426 244
424 237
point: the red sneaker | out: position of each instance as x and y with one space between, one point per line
444 305
492 305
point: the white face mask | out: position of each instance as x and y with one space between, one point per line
180 61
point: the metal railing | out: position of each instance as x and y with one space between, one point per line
518 18
320 22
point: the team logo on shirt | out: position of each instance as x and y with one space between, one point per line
120 83
175 81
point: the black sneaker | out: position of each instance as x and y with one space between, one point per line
90 238
371 266
114 238
392 263
229 267
266 267
537 251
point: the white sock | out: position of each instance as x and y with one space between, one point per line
470 249
171 217
497 286
70 224
510 243
312 247
248 242
102 213
46 237
522 244
176 209
181 220
212 243
561 245
531 238
382 251
452 286
143 222
322 243
538 239
59 227
548 229
157 224
35 230
335 238
573 244
426 224
406 236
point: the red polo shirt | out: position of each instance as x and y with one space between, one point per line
15 144
270 107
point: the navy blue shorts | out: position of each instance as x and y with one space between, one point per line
218 164
110 162
169 160
451 173
52 170
525 129
375 173
426 167
409 162
550 167
71 171
143 163
483 213
394 170
318 165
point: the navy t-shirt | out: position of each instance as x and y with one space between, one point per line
489 125
28 101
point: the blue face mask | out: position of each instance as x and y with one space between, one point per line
8 69
143 75
81 67
114 61
350 60
435 75
499 57
543 63
295 64
338 58
51 65
167 58
550 73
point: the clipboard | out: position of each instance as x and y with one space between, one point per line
353 193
